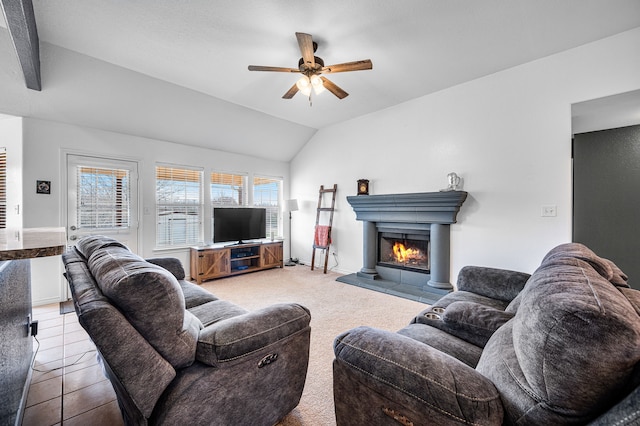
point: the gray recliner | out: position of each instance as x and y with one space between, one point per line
559 347
174 352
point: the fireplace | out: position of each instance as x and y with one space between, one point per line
418 226
404 251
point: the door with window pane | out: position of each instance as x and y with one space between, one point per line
102 199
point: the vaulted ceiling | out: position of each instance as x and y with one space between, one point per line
417 47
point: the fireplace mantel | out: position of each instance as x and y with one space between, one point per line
431 212
423 207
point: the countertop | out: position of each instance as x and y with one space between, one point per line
27 243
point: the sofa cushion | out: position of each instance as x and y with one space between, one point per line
83 287
216 310
606 268
619 278
128 355
87 245
497 284
194 295
572 346
444 342
398 372
231 340
151 299
171 264
473 322
465 318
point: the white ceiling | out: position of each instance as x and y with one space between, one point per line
417 46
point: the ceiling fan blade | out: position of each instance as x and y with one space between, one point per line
306 48
276 69
349 66
290 92
333 88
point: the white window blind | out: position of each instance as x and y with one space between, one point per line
3 188
228 189
178 206
267 194
103 198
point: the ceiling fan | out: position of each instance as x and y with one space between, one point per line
311 67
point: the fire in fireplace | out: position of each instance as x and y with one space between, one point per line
405 251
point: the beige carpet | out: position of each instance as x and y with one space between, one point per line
335 307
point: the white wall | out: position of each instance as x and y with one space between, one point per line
45 145
508 135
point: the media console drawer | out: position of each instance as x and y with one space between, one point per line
220 261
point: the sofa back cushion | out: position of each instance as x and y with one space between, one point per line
571 349
130 360
151 299
87 245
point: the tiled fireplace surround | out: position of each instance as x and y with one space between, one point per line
426 213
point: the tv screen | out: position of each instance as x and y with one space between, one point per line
237 224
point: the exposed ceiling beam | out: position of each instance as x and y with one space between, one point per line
21 22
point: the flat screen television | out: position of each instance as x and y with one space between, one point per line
238 224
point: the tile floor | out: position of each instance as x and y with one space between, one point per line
67 385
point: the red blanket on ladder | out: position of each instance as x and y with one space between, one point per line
321 236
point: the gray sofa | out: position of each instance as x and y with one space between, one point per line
561 346
175 353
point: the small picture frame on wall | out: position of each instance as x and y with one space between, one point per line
43 187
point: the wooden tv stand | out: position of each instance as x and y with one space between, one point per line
220 261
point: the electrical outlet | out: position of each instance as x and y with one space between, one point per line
549 210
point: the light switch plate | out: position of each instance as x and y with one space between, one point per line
549 210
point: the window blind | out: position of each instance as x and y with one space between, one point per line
228 189
267 194
3 188
103 198
178 206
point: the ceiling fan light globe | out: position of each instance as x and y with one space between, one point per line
316 83
306 91
304 85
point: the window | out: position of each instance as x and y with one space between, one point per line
267 193
178 206
103 198
3 188
228 190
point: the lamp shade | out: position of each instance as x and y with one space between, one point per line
291 205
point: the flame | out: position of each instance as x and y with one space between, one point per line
404 254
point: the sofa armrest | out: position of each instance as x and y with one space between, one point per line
430 386
500 284
473 322
171 264
234 338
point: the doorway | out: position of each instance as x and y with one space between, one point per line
606 184
102 199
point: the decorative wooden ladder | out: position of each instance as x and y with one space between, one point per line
322 233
